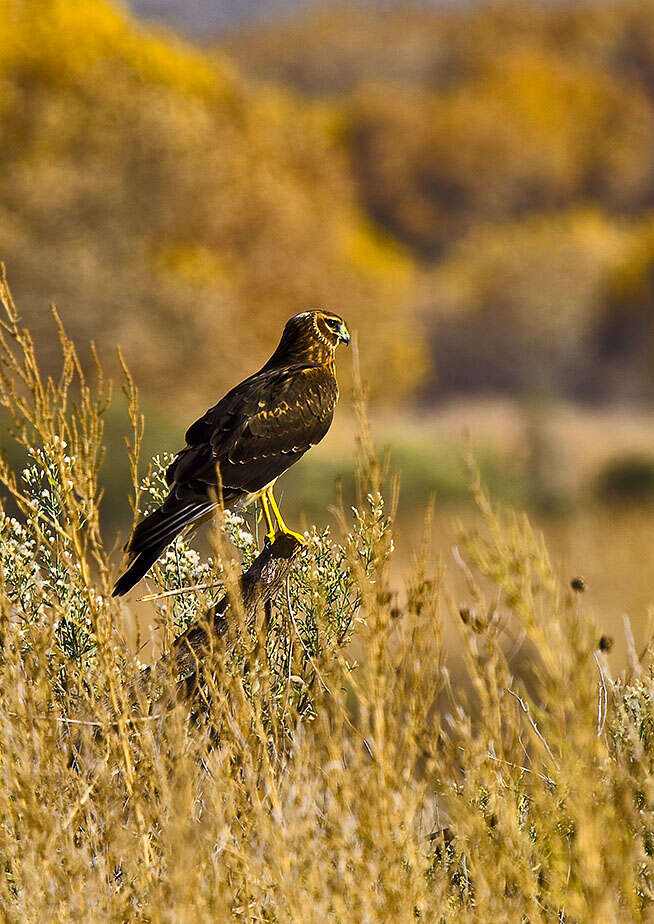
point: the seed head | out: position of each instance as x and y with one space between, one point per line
605 643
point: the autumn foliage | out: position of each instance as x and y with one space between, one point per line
167 204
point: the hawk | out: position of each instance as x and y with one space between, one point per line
244 443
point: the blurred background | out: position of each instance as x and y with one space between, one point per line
471 185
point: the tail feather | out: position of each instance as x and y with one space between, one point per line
154 533
137 569
166 527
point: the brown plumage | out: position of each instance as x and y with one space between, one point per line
251 437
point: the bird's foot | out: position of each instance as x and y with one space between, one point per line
297 536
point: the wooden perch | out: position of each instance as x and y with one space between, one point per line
258 585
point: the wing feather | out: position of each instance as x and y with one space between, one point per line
259 429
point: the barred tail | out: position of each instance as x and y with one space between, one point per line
155 532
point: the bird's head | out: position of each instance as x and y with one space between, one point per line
312 337
319 326
330 327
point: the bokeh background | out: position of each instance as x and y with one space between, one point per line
470 185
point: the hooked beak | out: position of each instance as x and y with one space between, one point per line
344 334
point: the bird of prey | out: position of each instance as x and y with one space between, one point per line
244 443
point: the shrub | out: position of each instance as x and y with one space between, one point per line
627 479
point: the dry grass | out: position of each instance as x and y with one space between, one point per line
304 787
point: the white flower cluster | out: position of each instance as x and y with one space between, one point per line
323 593
236 529
181 566
19 571
154 488
38 565
633 724
370 533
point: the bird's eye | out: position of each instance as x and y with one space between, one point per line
332 323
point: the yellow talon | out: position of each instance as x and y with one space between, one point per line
280 520
270 535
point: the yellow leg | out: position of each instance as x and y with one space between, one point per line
270 535
284 528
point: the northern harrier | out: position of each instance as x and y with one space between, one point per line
247 440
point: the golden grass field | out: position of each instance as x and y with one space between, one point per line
407 734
